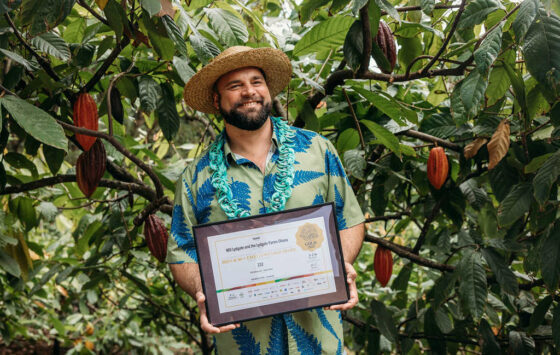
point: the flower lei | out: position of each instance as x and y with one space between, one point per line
282 184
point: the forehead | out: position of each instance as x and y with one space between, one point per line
239 74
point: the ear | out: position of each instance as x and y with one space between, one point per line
216 100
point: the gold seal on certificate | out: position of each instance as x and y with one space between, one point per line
269 264
309 237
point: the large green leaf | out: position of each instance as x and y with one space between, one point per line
19 161
30 66
183 68
541 49
525 17
472 91
308 7
157 34
515 204
485 55
35 122
149 93
353 45
116 17
42 16
546 176
9 264
355 162
52 44
384 136
439 125
388 105
152 6
329 34
54 158
204 48
476 11
384 320
166 111
389 9
505 277
229 28
550 257
498 83
472 286
539 313
175 34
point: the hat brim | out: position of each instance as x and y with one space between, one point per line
198 92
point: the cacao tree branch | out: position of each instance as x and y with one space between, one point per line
366 39
447 39
120 148
150 208
426 226
93 12
106 64
388 217
428 138
417 8
363 143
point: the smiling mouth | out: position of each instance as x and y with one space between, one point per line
249 104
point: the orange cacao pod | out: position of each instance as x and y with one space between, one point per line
385 41
156 236
438 167
90 168
85 116
383 265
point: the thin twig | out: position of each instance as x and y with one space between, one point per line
355 120
93 12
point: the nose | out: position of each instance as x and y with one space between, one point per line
249 90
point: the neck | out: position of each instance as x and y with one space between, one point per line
250 144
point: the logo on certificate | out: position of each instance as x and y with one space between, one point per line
309 237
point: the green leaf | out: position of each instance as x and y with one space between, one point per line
204 48
550 257
152 6
308 7
476 11
229 28
539 313
8 6
353 45
355 162
388 105
472 91
348 139
19 161
175 34
427 6
54 158
309 117
442 321
9 264
518 86
329 34
505 277
524 18
166 112
490 345
498 83
35 122
380 58
472 286
485 55
384 136
515 204
42 16
52 44
541 49
475 195
384 320
149 93
546 176
389 9
30 66
157 34
439 125
183 69
114 14
536 163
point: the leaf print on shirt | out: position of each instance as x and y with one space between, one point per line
339 202
278 337
181 233
334 167
204 198
246 341
303 176
303 139
242 194
325 323
306 343
202 163
318 199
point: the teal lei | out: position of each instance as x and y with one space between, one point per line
282 185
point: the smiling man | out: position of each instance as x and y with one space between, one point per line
260 164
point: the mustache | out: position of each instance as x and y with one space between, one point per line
242 102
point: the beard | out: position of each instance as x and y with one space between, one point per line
241 120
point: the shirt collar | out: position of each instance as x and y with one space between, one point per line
230 157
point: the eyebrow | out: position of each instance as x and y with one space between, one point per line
255 77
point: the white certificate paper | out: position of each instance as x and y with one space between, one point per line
271 264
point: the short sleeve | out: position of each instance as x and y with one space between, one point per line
180 246
348 211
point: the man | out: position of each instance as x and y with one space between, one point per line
259 164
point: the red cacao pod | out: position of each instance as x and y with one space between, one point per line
85 116
90 168
156 237
383 265
385 41
438 167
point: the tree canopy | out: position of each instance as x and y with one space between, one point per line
476 262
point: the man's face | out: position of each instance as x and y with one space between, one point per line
243 98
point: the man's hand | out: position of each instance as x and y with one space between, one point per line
351 279
206 326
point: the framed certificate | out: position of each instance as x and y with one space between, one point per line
273 263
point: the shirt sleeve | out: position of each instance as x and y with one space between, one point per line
348 211
180 246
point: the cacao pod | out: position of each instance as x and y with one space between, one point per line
383 265
438 167
85 116
156 237
90 168
116 105
386 43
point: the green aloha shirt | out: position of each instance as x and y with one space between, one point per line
319 177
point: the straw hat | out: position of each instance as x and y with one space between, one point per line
198 92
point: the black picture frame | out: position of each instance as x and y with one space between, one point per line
203 232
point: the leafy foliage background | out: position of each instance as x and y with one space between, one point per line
477 263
